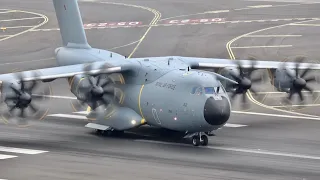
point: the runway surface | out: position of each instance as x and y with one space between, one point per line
267 141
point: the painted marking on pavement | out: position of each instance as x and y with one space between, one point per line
56 97
298 105
189 21
185 22
273 35
109 24
234 125
21 19
17 27
3 156
278 115
249 47
295 24
81 112
207 12
232 56
21 150
68 116
241 150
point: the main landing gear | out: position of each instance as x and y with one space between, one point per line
199 139
110 132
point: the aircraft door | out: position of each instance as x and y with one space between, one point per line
155 116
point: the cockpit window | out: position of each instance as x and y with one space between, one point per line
209 90
196 90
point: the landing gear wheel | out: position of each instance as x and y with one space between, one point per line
195 140
204 141
117 133
99 132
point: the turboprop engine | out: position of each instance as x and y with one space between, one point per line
92 90
293 81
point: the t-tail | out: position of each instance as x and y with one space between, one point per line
70 23
76 49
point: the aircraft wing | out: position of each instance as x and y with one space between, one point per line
203 63
67 71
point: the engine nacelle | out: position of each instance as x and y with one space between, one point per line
119 118
77 82
281 80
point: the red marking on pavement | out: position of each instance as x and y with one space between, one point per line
190 21
109 24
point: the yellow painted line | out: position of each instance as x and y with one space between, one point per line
274 35
117 47
21 19
232 56
249 47
139 101
153 22
296 24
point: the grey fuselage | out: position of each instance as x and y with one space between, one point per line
164 91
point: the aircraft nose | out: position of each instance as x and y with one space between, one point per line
216 112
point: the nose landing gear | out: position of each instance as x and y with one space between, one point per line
199 139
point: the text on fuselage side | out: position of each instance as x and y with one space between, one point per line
166 85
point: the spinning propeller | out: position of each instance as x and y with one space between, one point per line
97 91
299 82
244 81
23 99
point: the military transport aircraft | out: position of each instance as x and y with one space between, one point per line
172 92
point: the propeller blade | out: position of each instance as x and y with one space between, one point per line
91 81
99 79
300 95
109 90
257 79
33 86
33 108
308 89
15 90
305 72
22 113
11 109
297 70
252 68
244 98
235 77
290 94
240 68
108 80
310 79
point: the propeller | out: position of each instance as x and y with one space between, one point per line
23 98
245 81
300 80
98 91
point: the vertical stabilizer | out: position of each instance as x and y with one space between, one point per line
70 23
